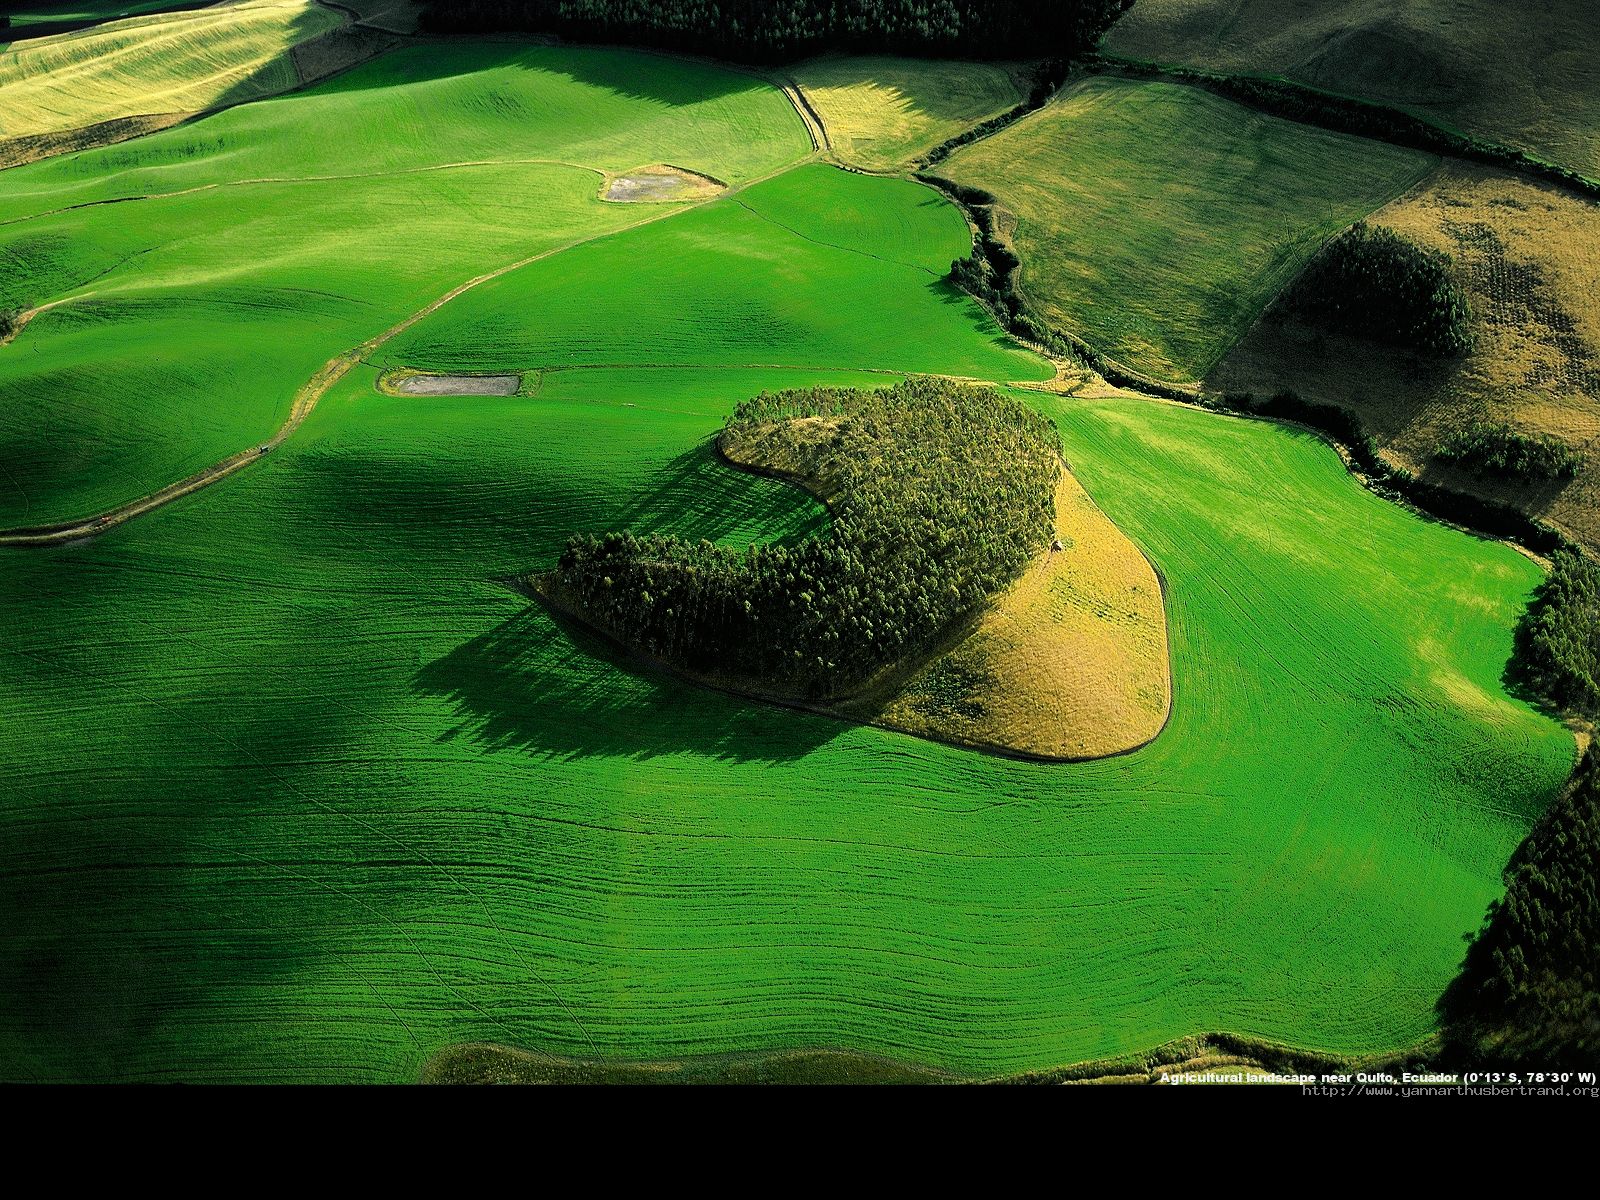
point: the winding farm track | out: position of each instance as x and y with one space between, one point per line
335 369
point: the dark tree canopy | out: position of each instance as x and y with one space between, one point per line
1527 996
780 30
1373 283
940 494
1495 448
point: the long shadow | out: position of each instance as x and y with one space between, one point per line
636 74
543 684
548 687
697 495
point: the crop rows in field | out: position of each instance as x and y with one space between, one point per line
299 789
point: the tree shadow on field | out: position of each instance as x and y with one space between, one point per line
547 686
698 495
635 73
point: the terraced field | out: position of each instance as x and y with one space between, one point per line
1518 72
1161 259
298 789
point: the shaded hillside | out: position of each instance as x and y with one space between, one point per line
1518 71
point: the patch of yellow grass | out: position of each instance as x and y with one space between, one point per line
1529 257
181 62
882 113
1072 663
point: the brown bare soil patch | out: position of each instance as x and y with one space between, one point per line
660 184
453 385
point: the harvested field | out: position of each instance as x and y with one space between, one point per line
1529 256
457 385
182 62
882 113
1071 663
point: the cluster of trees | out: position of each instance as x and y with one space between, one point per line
940 494
1558 641
781 30
8 322
1373 283
1528 995
1494 448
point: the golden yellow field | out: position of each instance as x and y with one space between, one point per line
1529 255
181 62
881 113
1072 663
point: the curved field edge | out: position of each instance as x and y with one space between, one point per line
490 1063
1070 664
1157 260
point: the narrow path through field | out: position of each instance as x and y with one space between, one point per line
306 399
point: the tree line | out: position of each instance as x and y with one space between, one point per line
940 494
782 30
1528 996
1373 283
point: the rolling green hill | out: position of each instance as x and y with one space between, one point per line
1156 221
240 255
1517 71
301 790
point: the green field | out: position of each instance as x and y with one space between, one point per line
1156 221
299 789
192 315
880 113
1522 72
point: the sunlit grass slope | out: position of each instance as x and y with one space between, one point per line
31 13
298 791
1157 221
167 63
818 267
881 113
191 316
1522 72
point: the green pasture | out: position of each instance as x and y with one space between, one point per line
1157 221
43 12
242 255
297 788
